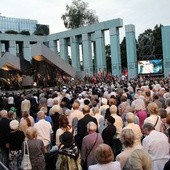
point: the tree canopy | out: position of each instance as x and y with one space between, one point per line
41 30
78 15
150 44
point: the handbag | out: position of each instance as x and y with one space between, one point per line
84 162
26 163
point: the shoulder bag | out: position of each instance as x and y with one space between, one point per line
156 121
84 162
26 163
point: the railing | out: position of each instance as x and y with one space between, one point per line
3 167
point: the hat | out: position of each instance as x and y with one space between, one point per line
14 124
111 119
66 138
13 109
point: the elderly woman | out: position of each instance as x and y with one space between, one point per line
140 159
153 118
36 149
127 138
130 118
14 142
104 156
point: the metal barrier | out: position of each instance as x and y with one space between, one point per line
3 167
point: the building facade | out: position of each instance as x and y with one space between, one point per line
91 40
17 24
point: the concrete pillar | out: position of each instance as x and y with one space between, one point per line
166 49
27 51
87 55
115 51
12 47
75 52
131 51
64 50
100 50
53 45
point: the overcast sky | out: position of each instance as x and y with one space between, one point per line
143 14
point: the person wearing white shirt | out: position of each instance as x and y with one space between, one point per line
44 130
156 144
75 116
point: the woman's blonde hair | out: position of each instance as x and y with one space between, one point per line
103 154
31 133
127 137
152 108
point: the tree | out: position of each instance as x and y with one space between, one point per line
78 15
123 53
150 44
11 32
108 58
41 30
24 32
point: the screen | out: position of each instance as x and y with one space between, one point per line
150 66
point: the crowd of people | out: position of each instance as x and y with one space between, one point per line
121 125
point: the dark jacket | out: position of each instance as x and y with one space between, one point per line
4 130
108 134
82 129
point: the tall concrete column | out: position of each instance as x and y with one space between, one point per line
166 49
87 55
115 51
53 45
131 51
27 51
75 52
100 50
12 47
64 50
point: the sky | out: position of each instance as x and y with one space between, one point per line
143 14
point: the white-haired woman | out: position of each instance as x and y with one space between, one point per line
36 149
14 142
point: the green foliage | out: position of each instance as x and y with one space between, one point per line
78 15
123 53
11 32
25 32
108 57
150 44
41 30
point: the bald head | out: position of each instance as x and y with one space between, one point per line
4 114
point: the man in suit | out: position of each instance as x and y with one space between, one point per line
82 125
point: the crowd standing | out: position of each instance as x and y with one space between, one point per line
120 124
